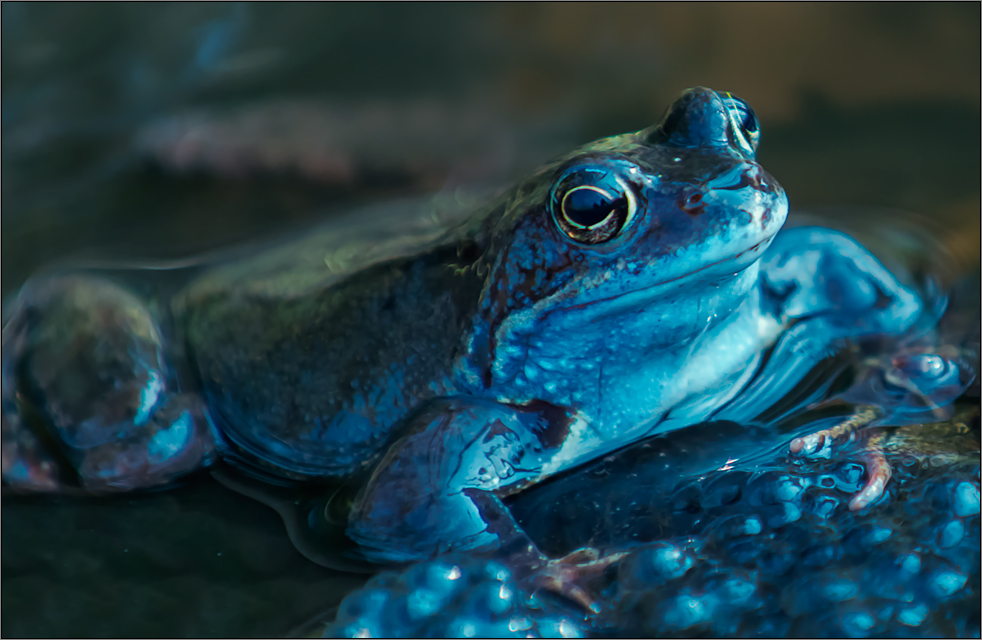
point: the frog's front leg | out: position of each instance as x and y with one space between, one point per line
437 488
417 504
88 398
813 273
826 289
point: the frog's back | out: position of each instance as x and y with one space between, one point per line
309 353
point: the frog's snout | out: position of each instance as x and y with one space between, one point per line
703 118
697 119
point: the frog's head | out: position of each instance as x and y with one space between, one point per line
626 226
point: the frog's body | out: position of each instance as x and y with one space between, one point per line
310 368
629 288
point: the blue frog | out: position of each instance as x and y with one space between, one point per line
635 286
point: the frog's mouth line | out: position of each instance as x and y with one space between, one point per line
736 256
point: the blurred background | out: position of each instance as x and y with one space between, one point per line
147 131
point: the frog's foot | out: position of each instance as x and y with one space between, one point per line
87 400
878 471
820 443
564 576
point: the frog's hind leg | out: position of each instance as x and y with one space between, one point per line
87 398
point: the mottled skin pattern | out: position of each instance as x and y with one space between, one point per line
300 381
453 365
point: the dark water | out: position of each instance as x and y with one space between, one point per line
151 131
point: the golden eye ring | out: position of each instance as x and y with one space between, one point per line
594 212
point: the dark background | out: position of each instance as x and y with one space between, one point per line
148 131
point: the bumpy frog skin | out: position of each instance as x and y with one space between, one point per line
630 288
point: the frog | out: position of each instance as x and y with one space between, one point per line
640 284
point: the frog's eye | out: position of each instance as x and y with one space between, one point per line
743 121
592 205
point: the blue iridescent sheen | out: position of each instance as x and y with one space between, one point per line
444 366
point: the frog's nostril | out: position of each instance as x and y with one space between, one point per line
691 203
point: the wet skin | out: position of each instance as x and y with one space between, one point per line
627 289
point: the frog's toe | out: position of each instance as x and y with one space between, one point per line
878 473
564 575
819 443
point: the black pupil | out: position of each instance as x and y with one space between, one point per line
747 119
587 207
